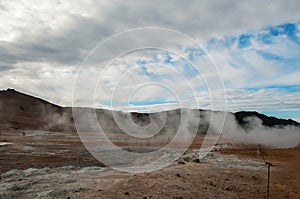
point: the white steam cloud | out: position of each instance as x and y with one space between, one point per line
257 133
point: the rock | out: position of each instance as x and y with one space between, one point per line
69 167
33 171
19 187
229 188
187 159
91 169
43 194
181 162
10 173
210 154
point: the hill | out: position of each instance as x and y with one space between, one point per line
22 111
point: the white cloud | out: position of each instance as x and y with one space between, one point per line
246 68
40 79
43 43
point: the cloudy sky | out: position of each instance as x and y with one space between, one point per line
252 46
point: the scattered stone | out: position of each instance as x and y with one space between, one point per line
212 184
10 173
33 171
253 177
4 143
43 194
229 188
210 154
187 159
69 167
19 187
126 193
91 169
178 175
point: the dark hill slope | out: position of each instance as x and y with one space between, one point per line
266 120
22 111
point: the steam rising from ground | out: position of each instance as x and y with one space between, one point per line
256 133
59 121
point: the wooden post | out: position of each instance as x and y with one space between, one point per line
268 185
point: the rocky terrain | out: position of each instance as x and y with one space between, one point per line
42 156
219 175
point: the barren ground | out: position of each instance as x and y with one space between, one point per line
43 160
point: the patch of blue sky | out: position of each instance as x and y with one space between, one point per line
270 56
289 29
168 58
141 62
244 40
153 101
265 36
289 64
285 88
268 34
286 114
201 87
106 103
234 65
225 42
194 52
145 71
186 69
182 66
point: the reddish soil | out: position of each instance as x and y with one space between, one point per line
285 174
191 180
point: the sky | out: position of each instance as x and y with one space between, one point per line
202 53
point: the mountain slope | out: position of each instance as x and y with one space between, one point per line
21 111
266 120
